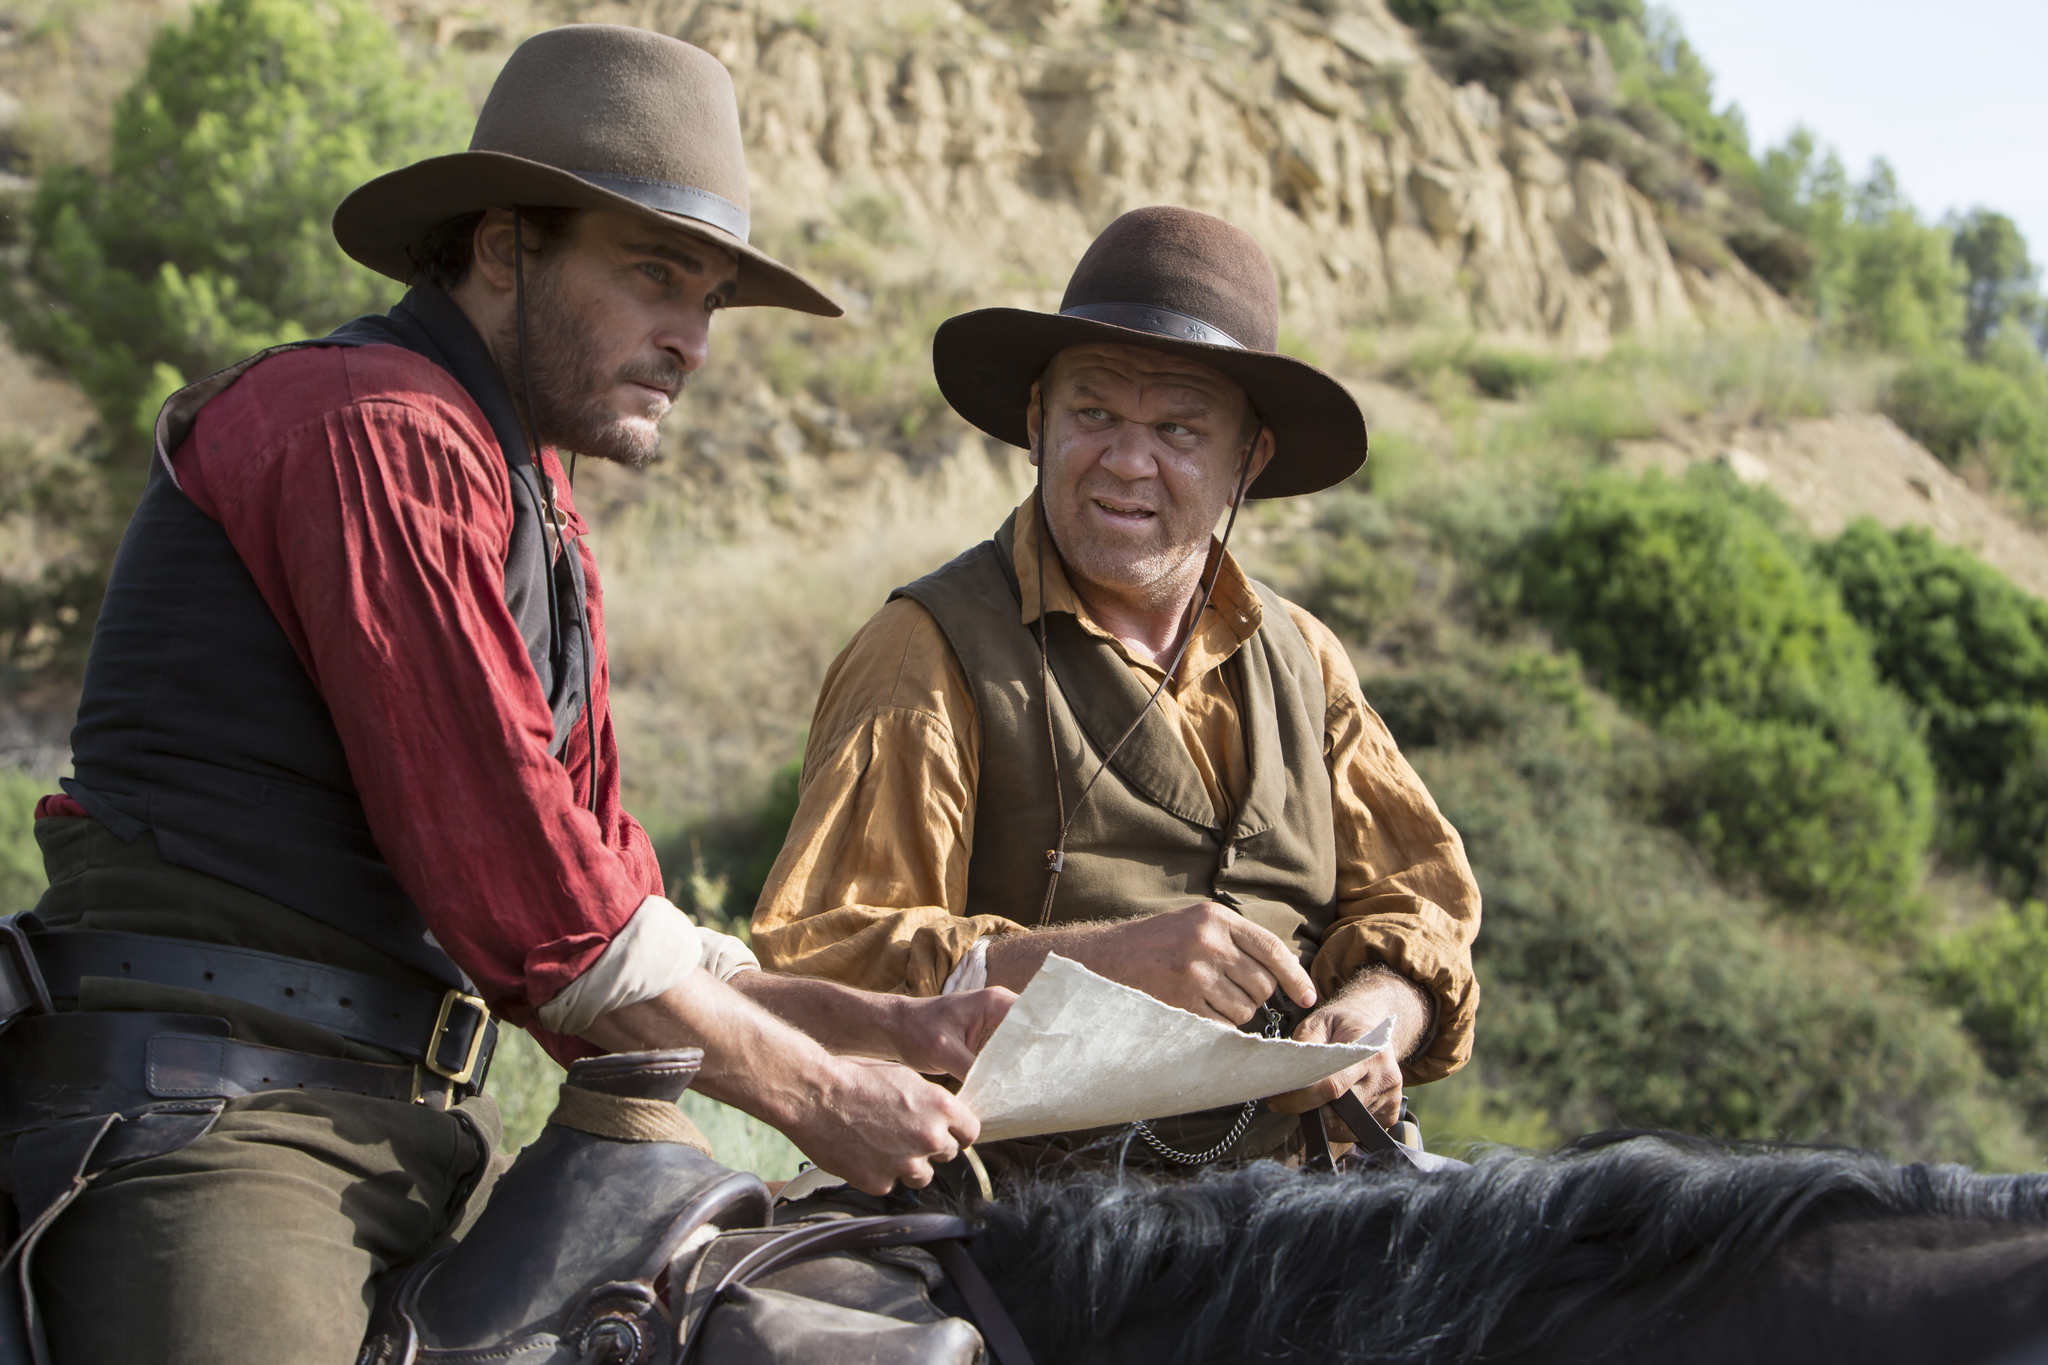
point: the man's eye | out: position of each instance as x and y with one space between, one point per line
654 270
713 302
1095 414
1174 429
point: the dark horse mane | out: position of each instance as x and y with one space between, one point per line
1408 1267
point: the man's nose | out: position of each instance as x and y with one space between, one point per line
1130 456
686 337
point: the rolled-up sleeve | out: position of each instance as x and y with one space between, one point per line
1406 896
871 881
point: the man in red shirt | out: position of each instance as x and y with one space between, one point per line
346 777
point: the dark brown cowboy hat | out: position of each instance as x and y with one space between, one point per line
589 116
1170 280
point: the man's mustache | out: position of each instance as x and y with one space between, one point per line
672 379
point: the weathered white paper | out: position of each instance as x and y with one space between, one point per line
1080 1051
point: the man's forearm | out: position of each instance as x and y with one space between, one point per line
841 1018
752 1060
931 1035
1014 959
1384 993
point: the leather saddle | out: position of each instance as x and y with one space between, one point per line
609 1241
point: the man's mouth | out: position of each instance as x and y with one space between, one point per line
1124 514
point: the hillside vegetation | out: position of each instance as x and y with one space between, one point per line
1761 812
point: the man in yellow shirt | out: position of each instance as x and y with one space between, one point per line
1094 735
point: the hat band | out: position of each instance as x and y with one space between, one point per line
1143 317
686 201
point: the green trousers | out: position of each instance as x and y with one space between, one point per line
255 1244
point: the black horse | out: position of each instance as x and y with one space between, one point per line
1623 1248
613 1242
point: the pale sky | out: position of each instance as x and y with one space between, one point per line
1954 95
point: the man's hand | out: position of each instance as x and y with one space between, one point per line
1205 958
1376 1080
942 1034
875 1123
1371 996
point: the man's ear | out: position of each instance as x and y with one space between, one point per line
1262 455
492 246
1031 411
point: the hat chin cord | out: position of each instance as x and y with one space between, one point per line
1056 856
547 512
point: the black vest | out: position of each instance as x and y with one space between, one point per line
198 722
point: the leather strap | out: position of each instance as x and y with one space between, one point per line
1371 1137
687 201
1144 317
998 1333
944 1234
193 1066
56 1067
1316 1144
367 1009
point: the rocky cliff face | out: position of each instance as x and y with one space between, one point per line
1012 132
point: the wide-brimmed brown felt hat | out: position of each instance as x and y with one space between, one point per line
593 116
1173 280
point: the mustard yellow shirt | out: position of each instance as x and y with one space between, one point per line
871 886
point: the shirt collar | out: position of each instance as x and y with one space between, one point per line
1234 615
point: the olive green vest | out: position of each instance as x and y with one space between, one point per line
1147 839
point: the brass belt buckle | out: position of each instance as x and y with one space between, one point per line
480 1016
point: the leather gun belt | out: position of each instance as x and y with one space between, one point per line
55 1067
448 1037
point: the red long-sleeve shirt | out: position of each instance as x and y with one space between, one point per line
365 492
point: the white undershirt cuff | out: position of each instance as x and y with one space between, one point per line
970 973
657 949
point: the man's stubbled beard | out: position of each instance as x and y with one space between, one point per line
1157 576
569 389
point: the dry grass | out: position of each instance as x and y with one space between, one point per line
719 640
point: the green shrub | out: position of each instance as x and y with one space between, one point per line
1971 413
1623 987
1674 592
1809 816
1343 567
1970 649
1509 374
1585 410
207 237
1687 601
1996 974
21 861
